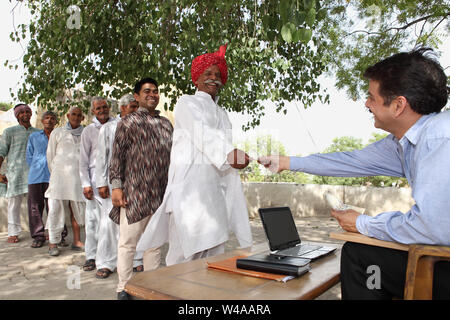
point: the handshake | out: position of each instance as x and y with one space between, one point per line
238 159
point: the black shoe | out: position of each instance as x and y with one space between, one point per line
123 295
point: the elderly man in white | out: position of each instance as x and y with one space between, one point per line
88 149
108 234
204 198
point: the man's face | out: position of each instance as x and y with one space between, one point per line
148 96
75 116
100 109
24 117
382 114
49 122
130 108
209 81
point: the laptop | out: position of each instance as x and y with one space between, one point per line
283 237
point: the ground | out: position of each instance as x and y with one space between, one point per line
31 274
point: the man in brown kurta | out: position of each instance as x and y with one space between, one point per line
138 174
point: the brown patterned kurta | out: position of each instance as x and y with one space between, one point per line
140 162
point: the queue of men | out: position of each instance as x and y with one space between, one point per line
137 182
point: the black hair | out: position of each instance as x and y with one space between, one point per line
140 83
420 79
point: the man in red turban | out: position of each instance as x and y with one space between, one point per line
204 199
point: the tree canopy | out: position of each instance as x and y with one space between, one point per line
277 50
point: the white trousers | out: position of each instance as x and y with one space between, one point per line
56 219
175 254
108 239
93 213
128 239
14 205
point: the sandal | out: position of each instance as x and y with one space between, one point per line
13 239
37 243
89 265
103 273
138 268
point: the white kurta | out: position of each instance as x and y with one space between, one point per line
204 193
63 154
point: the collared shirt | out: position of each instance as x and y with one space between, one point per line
422 155
37 158
140 162
88 149
13 146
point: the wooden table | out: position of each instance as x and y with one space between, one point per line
194 281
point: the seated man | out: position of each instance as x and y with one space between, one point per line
406 94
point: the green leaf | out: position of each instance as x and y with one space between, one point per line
311 17
287 31
305 35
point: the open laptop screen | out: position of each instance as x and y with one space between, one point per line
280 227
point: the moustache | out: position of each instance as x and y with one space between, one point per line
218 82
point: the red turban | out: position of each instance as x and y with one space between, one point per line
203 62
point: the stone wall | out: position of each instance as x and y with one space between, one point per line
304 200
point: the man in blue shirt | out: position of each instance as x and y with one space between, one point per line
406 94
38 178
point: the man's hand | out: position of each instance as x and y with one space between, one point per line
3 179
275 164
118 198
103 192
88 193
346 219
238 159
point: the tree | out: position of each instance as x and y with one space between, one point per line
116 42
5 106
359 33
277 49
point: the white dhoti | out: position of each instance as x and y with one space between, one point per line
108 239
93 213
175 254
57 212
14 205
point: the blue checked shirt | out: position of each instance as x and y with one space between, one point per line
37 158
422 155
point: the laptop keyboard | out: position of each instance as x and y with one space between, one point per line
299 250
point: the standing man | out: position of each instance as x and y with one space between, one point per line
108 234
138 174
64 192
88 149
38 178
13 146
406 94
204 199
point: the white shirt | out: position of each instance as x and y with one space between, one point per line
89 139
204 193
